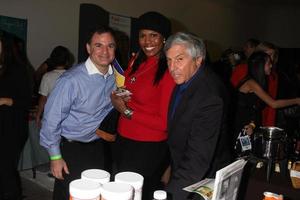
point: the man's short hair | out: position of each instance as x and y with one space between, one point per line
193 43
100 30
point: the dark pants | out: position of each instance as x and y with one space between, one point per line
149 159
11 145
78 157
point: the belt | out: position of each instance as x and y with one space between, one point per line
63 139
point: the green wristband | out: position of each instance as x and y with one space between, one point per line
57 157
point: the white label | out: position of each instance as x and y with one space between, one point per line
295 174
245 143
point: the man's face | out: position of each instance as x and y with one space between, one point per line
268 67
248 49
271 53
181 64
151 42
102 50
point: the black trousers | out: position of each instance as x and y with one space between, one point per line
78 157
150 159
11 146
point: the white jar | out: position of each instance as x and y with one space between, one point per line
84 190
159 195
116 191
97 175
134 179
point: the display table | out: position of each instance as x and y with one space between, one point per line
257 185
33 154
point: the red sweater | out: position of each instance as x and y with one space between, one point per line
149 104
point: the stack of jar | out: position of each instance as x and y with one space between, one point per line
94 185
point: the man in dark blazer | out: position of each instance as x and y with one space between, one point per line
197 116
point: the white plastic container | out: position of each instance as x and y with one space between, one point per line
159 195
81 189
134 179
97 175
116 191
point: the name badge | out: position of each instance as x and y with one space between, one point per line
245 143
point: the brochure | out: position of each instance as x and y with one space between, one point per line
224 187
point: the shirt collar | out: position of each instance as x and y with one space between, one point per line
185 85
92 69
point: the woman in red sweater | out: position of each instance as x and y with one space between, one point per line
141 144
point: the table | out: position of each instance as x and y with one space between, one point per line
256 184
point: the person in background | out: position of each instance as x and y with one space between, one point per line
240 72
224 66
250 46
269 113
197 117
252 96
59 59
78 103
15 99
141 145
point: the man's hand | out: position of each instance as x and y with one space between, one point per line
106 136
58 167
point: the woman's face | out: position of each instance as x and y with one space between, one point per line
268 66
151 42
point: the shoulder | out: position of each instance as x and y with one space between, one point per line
75 72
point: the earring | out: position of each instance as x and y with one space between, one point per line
164 41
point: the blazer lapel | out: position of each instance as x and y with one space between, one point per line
184 99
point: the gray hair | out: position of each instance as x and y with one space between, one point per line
195 45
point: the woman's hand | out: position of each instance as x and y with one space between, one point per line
118 102
6 101
106 136
298 101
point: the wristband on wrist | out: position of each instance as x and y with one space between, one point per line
252 124
57 157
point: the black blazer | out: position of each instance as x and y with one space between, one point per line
198 132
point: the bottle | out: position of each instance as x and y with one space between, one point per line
159 195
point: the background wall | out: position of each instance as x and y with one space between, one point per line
223 23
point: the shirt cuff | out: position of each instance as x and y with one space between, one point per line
54 151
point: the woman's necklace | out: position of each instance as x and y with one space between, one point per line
134 77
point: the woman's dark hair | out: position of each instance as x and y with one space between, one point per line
60 56
256 68
162 65
11 55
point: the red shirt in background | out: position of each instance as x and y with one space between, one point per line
268 113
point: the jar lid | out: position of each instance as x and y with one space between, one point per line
98 175
160 195
134 179
116 191
84 189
